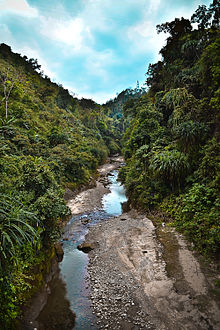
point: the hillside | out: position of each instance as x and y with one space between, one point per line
52 142
171 145
49 141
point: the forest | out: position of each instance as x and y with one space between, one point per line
51 141
171 144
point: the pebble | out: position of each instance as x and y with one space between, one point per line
113 292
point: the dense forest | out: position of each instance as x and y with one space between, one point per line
51 141
171 144
116 105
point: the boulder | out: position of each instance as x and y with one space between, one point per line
86 247
125 206
59 251
85 221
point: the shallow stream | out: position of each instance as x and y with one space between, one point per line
73 268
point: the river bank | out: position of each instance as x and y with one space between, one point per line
138 275
91 199
133 286
65 290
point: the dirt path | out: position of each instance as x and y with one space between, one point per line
139 284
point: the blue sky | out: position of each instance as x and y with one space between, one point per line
95 48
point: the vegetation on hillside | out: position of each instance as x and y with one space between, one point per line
115 108
171 145
49 140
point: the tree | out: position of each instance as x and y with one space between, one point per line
9 78
189 134
202 17
154 78
207 18
34 64
176 28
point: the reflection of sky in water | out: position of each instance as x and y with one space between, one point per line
73 269
74 265
112 201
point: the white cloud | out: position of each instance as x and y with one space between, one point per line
79 39
18 7
154 5
33 53
70 32
6 35
97 63
7 38
144 39
75 37
143 36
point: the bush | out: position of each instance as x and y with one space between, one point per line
51 208
171 165
197 214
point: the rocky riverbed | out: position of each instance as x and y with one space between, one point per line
139 276
131 287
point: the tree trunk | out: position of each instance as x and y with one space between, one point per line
6 108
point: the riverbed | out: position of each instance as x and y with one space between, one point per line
89 208
138 276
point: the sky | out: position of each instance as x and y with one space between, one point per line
95 48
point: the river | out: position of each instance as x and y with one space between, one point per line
140 275
72 283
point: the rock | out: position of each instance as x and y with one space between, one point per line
123 218
59 251
86 247
125 207
69 194
110 174
85 221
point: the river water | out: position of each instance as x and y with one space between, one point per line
73 268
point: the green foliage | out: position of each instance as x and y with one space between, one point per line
171 165
209 66
190 134
48 140
56 137
37 176
20 282
15 226
207 17
171 143
196 213
208 171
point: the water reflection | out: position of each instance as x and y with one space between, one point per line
112 201
73 268
58 314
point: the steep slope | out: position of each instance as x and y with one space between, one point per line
171 145
49 140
